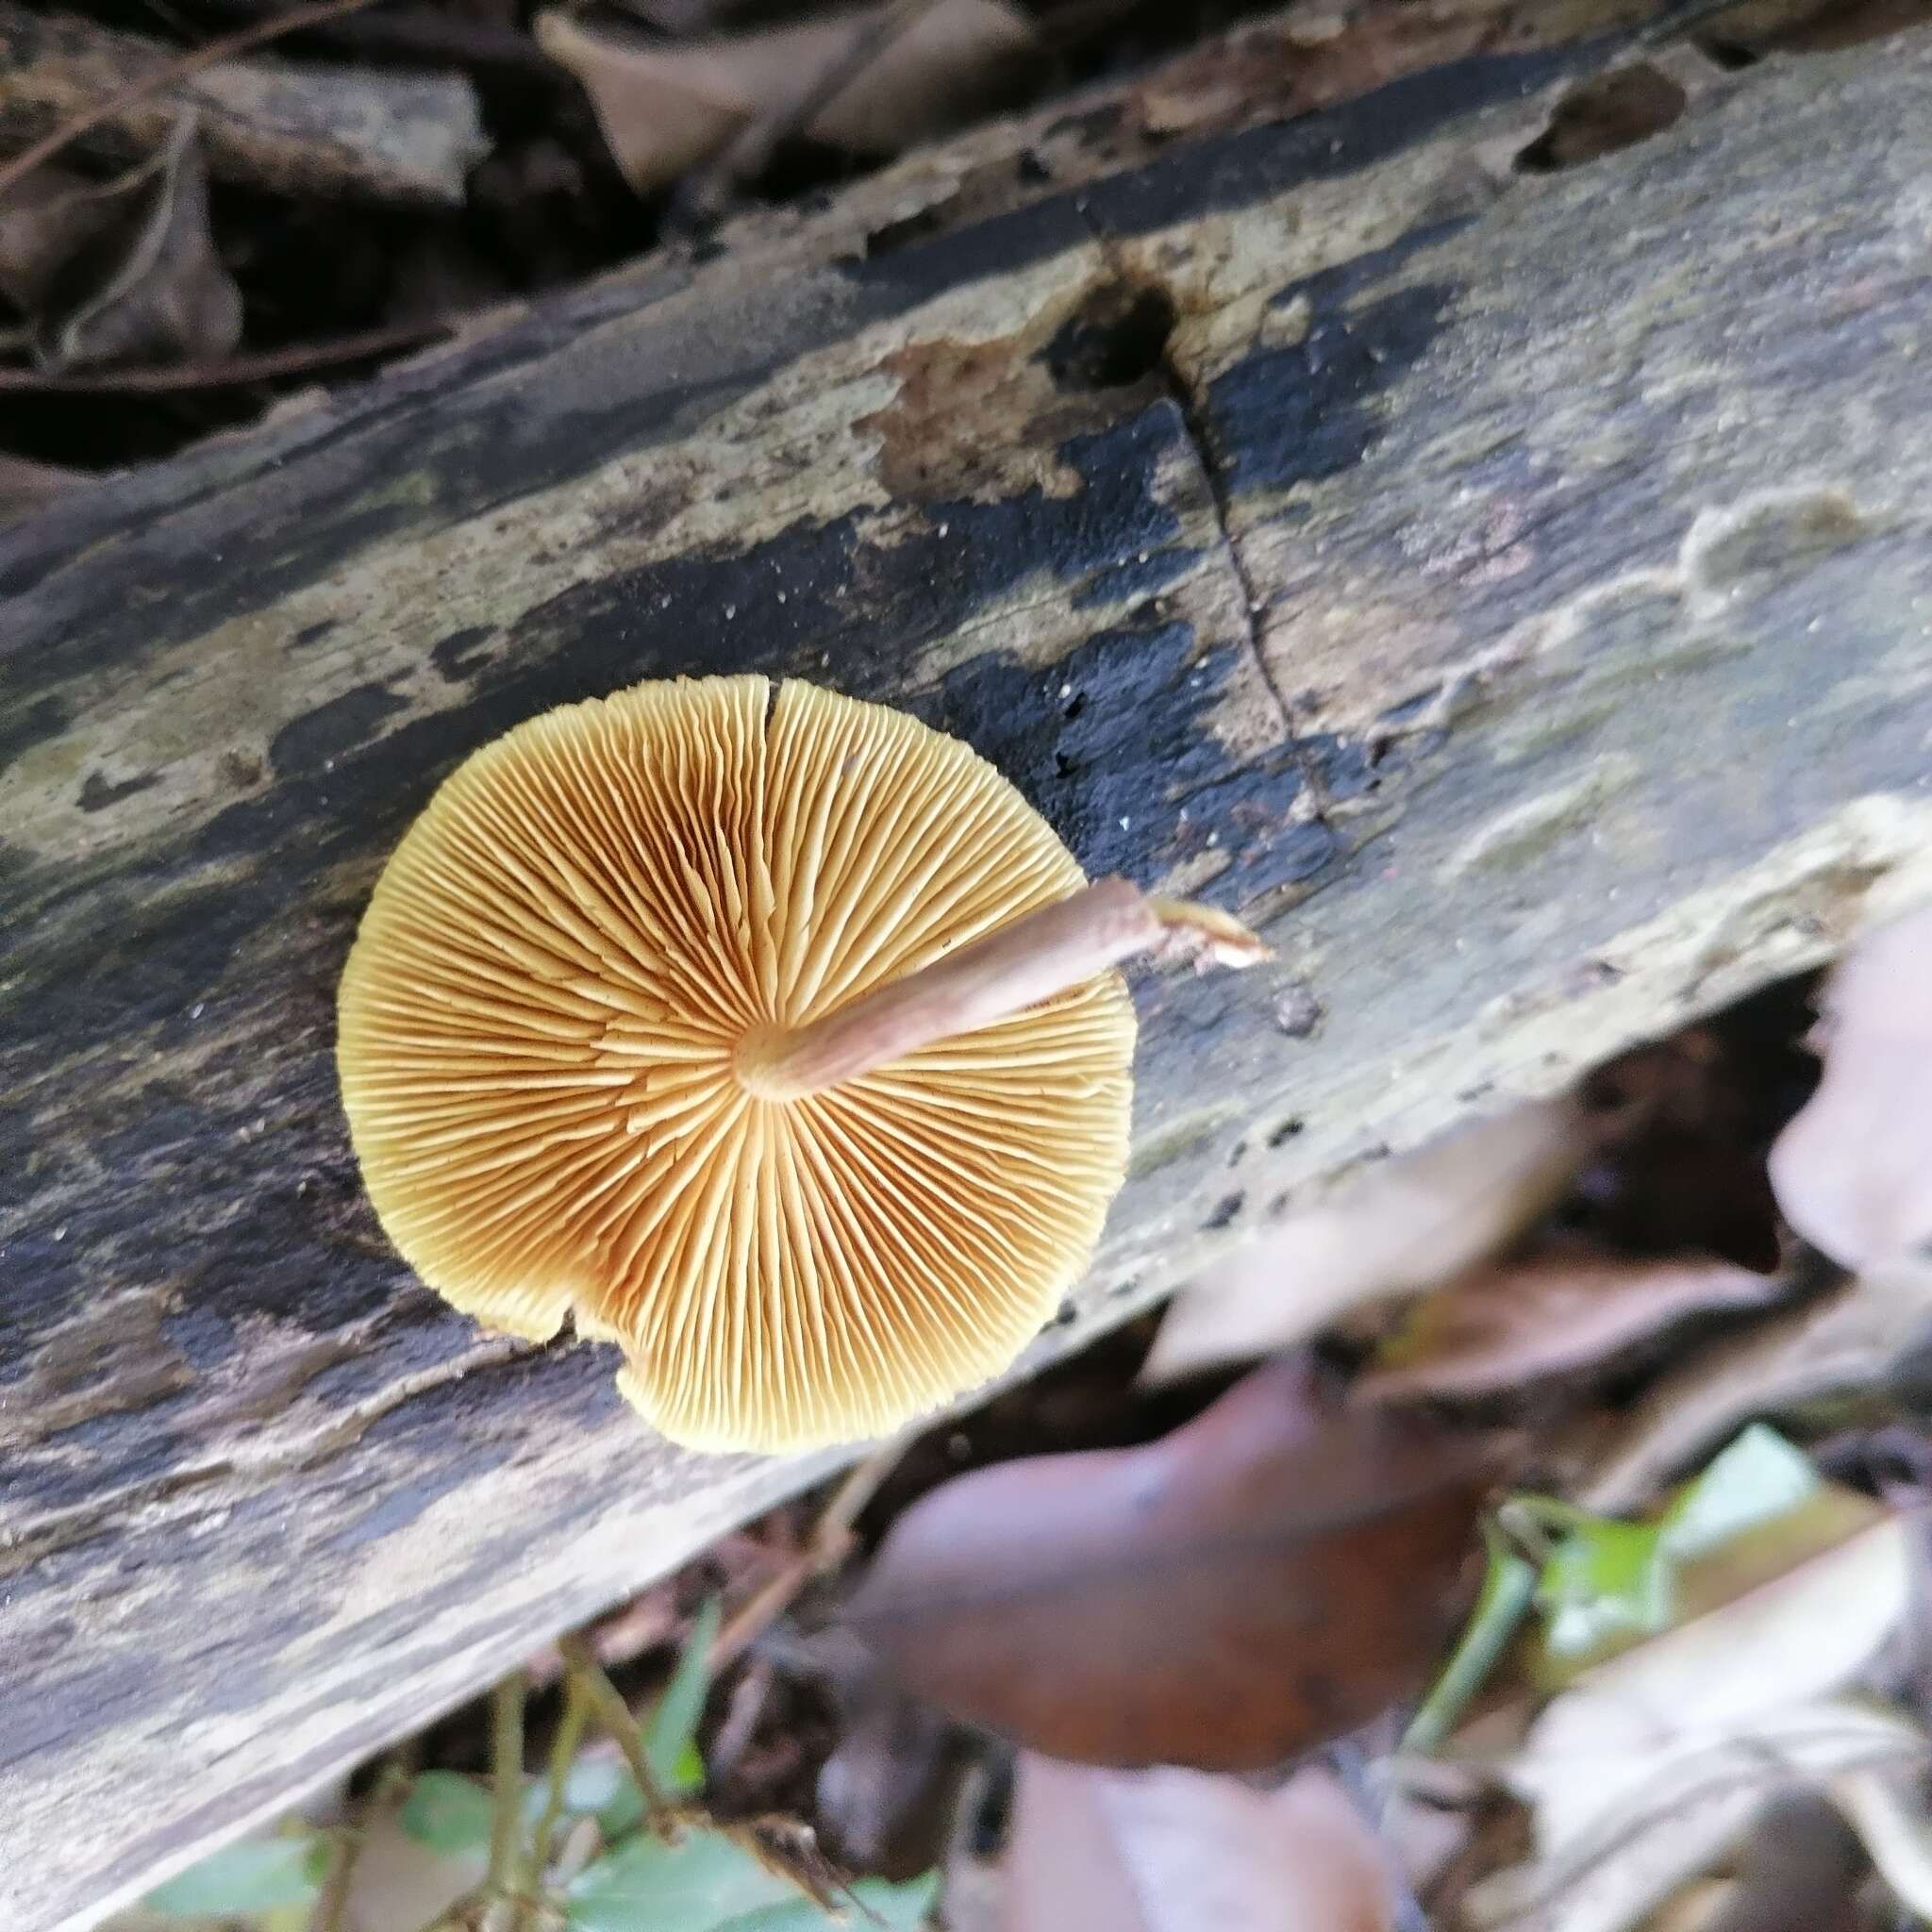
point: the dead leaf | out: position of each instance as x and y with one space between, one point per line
1887 1807
1267 1577
147 286
664 109
1174 1851
1645 1769
1799 1870
1852 1172
1407 1224
1850 1338
1561 1309
1683 1812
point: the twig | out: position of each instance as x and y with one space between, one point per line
825 1549
507 1774
614 1714
293 361
563 1751
159 78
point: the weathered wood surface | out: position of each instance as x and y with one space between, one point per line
1512 593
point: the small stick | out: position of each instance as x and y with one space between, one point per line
1043 952
563 1751
614 1714
160 78
830 1539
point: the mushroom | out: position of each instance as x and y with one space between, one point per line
766 1033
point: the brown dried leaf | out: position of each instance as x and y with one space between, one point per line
1649 1765
1559 1309
1852 1172
1174 1851
1405 1225
1269 1577
1848 1340
1799 1870
663 110
148 285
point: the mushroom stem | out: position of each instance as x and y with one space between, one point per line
1038 955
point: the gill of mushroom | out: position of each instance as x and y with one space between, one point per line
764 1032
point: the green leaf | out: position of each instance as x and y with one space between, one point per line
1509 1588
671 1735
255 1875
895 1908
1602 1580
447 1813
646 1885
1759 1478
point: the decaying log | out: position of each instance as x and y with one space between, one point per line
340 133
1510 589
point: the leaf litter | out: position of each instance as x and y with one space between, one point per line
1291 1644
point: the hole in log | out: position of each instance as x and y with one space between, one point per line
1117 336
1598 117
1728 54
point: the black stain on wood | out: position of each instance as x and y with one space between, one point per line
1223 1212
331 730
1309 410
97 794
460 655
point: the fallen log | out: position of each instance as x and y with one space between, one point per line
1507 586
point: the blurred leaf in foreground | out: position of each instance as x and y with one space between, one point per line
1404 1224
447 1813
1265 1578
1175 1851
254 1876
1852 1172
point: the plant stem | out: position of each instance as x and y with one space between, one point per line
831 1537
563 1751
507 1774
614 1714
1036 956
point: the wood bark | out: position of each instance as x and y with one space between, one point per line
338 133
1510 590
